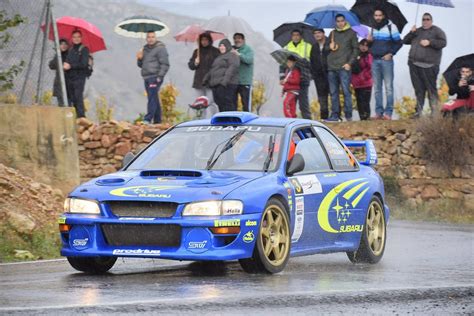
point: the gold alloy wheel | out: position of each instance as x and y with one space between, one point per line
375 228
275 235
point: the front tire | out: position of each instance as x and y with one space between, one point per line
92 265
374 235
272 249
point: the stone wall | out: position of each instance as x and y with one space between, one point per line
398 144
400 156
102 147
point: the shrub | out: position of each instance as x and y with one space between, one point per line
447 142
259 95
168 94
406 107
104 111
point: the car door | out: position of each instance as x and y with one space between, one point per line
341 213
308 187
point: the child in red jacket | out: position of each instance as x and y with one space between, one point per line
362 81
291 87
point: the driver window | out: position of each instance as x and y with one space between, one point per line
313 154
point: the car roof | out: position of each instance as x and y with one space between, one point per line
246 118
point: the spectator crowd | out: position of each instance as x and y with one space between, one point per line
337 62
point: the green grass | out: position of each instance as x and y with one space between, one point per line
43 243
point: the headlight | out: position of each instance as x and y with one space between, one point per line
72 205
213 208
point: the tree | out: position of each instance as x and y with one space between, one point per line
8 75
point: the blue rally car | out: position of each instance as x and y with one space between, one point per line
237 186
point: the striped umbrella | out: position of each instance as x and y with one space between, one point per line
137 26
435 3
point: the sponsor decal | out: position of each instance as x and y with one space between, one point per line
145 191
227 222
351 228
197 244
289 192
79 238
296 184
306 185
223 128
250 223
141 252
80 242
62 220
299 219
339 204
329 175
249 237
198 240
136 218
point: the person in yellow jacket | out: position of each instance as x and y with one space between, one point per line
298 46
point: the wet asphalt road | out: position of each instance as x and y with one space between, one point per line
426 269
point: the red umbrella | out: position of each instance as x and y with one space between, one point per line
91 36
191 34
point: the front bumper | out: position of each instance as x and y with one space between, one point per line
86 237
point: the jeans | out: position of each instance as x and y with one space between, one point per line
154 107
322 88
303 100
340 78
245 92
363 102
224 97
424 80
75 91
382 70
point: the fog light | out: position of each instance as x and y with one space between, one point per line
64 228
225 230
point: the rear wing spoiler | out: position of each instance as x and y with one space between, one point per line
368 145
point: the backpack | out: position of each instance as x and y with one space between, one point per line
90 62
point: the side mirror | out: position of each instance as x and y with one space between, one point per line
127 158
295 165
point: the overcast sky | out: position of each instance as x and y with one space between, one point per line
265 15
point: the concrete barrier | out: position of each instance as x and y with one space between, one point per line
40 141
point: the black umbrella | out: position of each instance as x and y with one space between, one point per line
452 72
364 9
282 34
281 56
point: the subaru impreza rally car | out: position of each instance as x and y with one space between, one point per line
237 186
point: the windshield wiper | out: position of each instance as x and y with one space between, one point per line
271 148
228 145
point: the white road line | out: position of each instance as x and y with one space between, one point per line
31 262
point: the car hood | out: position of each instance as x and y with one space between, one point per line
179 187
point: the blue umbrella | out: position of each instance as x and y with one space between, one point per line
325 17
435 3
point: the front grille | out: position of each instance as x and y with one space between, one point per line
143 208
162 235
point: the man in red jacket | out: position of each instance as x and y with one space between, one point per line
291 87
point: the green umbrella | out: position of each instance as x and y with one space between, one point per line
137 26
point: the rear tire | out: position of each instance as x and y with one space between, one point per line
92 265
374 235
272 248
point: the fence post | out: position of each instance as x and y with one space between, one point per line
39 86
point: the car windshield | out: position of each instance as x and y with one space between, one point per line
246 148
